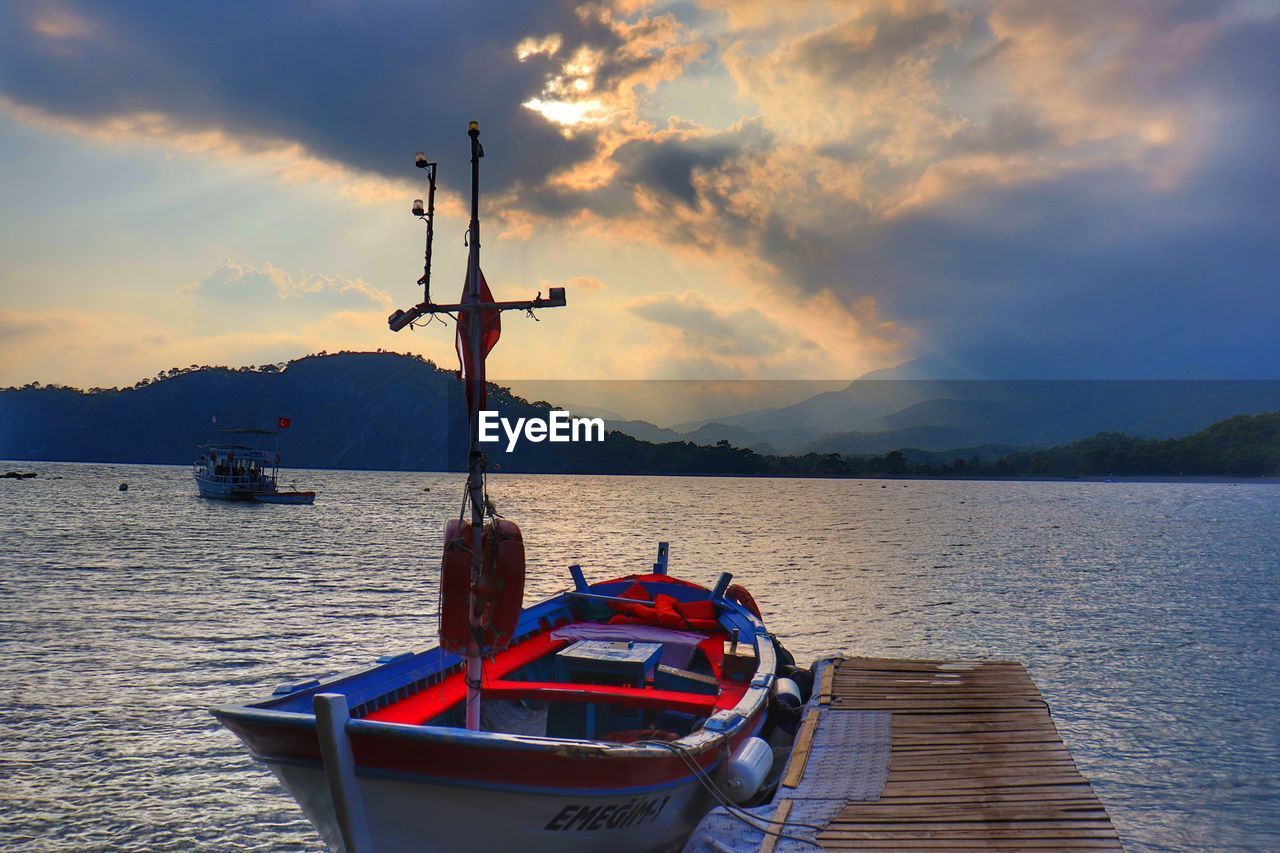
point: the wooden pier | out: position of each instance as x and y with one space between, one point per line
973 761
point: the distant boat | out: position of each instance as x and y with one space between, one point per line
238 471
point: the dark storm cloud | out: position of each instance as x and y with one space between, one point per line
364 84
668 164
665 165
1100 273
1065 283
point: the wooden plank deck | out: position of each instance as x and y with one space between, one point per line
975 762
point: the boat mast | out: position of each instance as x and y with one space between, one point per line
475 468
473 307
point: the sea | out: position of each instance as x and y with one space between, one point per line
1148 614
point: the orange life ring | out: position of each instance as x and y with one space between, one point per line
494 609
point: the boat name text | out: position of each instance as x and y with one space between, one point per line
558 426
633 812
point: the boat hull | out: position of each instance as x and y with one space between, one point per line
227 491
410 815
239 491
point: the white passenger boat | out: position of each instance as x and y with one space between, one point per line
238 471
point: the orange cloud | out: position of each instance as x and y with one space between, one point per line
60 24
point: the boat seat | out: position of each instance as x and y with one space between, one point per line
631 697
422 706
417 709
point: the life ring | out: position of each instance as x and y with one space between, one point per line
491 609
738 593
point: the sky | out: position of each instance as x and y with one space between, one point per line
728 189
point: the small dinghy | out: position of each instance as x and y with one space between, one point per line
611 717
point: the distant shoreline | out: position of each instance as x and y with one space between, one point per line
351 411
1208 479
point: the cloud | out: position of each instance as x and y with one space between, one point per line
60 24
1020 184
597 86
1046 189
867 46
697 337
358 85
81 348
704 329
16 326
241 283
70 346
585 282
287 161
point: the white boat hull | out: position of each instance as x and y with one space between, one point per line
229 490
407 815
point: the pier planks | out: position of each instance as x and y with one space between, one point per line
975 762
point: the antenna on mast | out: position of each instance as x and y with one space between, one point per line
420 160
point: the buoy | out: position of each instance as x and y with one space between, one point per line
787 692
124 487
748 769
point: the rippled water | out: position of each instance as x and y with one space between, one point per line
1147 613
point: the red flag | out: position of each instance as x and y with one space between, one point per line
283 423
490 331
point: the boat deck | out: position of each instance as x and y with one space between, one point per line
972 756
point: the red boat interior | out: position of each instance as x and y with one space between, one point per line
617 684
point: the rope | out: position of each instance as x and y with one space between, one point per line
731 807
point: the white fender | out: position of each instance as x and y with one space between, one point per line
787 692
748 769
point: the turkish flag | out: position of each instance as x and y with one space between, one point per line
283 423
490 331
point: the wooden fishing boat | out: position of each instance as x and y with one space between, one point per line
588 740
612 716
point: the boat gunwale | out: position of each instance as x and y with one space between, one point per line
727 721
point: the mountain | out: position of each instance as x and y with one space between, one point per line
706 434
380 411
354 410
642 430
1244 445
1040 412
395 412
876 415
